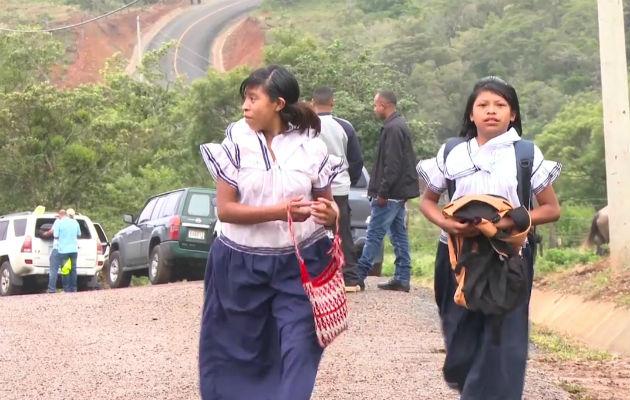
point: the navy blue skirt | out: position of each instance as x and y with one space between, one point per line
258 337
480 367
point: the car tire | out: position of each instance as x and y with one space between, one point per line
114 274
7 287
159 269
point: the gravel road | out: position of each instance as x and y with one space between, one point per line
141 343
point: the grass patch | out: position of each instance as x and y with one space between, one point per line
560 259
37 12
561 348
624 300
140 280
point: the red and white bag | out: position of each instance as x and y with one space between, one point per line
326 292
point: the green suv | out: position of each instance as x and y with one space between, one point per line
168 240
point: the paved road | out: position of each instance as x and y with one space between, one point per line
141 343
194 31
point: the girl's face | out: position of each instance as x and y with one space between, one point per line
491 114
261 114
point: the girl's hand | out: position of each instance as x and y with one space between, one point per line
455 227
324 211
300 209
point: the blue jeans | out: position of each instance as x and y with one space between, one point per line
69 281
389 218
52 273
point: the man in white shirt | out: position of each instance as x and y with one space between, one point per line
341 141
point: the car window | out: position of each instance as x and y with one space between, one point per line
158 207
145 215
170 206
85 230
101 233
4 226
19 227
199 205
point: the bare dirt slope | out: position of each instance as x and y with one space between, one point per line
98 41
244 45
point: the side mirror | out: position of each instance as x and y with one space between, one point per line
128 218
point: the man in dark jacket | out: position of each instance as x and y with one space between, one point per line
393 181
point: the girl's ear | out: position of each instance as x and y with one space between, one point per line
280 103
512 116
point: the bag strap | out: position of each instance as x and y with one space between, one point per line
524 150
303 271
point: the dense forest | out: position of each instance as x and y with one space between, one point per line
103 148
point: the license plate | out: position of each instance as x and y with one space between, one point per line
197 234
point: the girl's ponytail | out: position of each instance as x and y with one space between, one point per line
301 115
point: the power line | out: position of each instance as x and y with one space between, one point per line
61 28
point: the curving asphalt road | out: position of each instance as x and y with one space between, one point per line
194 31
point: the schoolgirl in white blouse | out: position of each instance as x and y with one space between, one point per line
257 336
475 365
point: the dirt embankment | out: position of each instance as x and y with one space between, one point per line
99 40
243 45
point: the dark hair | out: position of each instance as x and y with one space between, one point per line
323 96
500 87
388 96
277 82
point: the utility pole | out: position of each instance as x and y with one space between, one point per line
139 42
614 73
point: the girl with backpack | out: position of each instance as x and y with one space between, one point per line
484 162
258 337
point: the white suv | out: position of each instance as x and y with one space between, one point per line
24 254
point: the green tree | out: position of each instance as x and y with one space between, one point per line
26 59
576 139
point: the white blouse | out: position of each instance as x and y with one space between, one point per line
243 160
487 169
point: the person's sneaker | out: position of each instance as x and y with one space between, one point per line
361 284
394 284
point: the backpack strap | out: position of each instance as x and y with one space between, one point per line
524 150
450 145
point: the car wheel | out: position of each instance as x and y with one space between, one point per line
159 270
7 287
115 276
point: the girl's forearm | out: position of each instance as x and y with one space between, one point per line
544 214
432 211
237 213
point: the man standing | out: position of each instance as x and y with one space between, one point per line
53 259
67 231
341 140
394 180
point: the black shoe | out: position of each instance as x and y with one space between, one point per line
394 284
